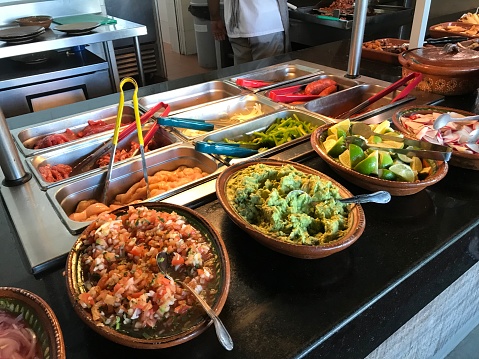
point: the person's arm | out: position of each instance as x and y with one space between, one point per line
217 24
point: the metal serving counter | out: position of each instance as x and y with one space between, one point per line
343 306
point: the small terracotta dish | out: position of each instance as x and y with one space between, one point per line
357 221
39 20
458 159
37 315
373 183
170 331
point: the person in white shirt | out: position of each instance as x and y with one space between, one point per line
256 28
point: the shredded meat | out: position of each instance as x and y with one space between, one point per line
95 127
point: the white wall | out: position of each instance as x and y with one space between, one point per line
177 26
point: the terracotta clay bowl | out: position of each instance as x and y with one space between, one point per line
357 221
39 20
458 159
153 338
444 73
38 316
372 183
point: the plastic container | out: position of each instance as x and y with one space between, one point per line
205 42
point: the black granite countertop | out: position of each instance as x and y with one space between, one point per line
342 306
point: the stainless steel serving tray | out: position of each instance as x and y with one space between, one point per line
343 83
66 197
238 132
338 103
220 113
74 153
279 74
26 137
192 96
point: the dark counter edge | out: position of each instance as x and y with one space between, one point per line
383 314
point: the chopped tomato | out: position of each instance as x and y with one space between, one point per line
177 260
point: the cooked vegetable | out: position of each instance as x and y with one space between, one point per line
280 131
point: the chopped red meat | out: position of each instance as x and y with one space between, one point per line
55 139
95 127
55 173
120 155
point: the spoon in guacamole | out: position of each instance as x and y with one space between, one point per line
375 197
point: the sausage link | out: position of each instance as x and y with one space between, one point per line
328 90
315 87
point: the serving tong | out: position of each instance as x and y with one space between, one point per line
422 149
414 77
116 135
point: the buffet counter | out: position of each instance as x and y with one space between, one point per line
342 306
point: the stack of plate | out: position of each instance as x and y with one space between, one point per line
78 28
20 35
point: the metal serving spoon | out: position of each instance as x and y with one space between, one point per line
223 335
375 197
445 118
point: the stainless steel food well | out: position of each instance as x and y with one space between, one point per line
279 74
338 103
191 96
220 114
239 132
74 153
66 197
26 137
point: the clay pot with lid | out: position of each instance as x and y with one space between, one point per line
446 71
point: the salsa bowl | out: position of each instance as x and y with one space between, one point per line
458 158
35 314
114 284
308 244
438 170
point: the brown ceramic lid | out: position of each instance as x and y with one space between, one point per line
437 59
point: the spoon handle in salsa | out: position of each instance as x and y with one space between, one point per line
221 331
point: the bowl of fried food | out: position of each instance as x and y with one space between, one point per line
116 288
28 326
290 208
374 163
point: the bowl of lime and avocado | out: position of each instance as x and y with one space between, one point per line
378 161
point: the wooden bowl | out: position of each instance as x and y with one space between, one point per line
39 20
39 317
448 74
357 221
458 159
371 183
198 321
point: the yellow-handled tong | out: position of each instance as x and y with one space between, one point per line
115 138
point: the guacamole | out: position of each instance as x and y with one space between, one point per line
259 193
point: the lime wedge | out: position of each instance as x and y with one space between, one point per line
416 164
356 154
382 127
343 125
344 159
403 172
390 144
405 158
386 174
369 165
338 148
375 139
385 159
328 144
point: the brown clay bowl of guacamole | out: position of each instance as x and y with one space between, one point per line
309 224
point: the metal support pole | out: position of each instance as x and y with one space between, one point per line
357 35
419 23
10 161
138 60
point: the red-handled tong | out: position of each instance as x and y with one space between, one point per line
289 94
253 83
413 75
